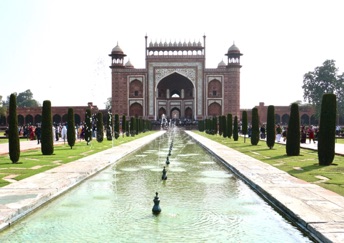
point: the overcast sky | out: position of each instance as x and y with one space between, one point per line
59 49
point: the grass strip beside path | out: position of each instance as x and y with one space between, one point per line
32 161
305 166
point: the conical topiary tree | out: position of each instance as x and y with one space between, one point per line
123 125
100 129
13 135
71 128
109 127
270 127
255 127
293 133
229 125
116 126
132 126
224 127
47 140
88 126
235 129
244 124
327 129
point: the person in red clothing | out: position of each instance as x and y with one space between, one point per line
311 134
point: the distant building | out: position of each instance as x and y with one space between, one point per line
175 82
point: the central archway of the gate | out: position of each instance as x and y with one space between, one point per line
175 97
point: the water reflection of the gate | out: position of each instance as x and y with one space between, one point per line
200 202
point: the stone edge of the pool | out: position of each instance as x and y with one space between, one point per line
52 183
322 231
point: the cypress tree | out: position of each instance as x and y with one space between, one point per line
244 124
327 129
47 141
224 127
270 127
123 125
109 127
71 128
214 123
132 126
235 129
255 127
13 134
229 125
88 126
220 126
127 132
100 129
293 132
137 127
116 126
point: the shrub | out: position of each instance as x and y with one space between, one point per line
229 125
71 128
13 134
88 126
327 129
293 132
47 140
270 127
235 129
100 130
255 127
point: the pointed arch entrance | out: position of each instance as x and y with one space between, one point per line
175 97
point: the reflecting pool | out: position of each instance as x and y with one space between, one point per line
200 201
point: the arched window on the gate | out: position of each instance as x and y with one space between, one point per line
175 94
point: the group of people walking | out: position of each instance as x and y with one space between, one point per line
281 134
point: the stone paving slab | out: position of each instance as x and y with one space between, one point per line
313 208
22 197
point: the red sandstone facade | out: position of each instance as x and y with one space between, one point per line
176 83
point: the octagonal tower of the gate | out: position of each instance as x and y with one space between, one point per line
175 83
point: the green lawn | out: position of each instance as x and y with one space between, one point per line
33 162
305 166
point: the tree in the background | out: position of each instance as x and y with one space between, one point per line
327 130
47 141
3 108
324 79
13 135
71 128
229 125
25 99
244 124
270 127
88 126
293 131
124 119
100 127
235 129
116 126
255 127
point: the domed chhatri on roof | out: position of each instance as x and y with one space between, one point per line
233 48
129 65
222 64
117 50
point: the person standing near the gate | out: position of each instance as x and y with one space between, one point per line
38 133
278 133
64 133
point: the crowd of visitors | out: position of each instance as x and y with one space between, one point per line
307 132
